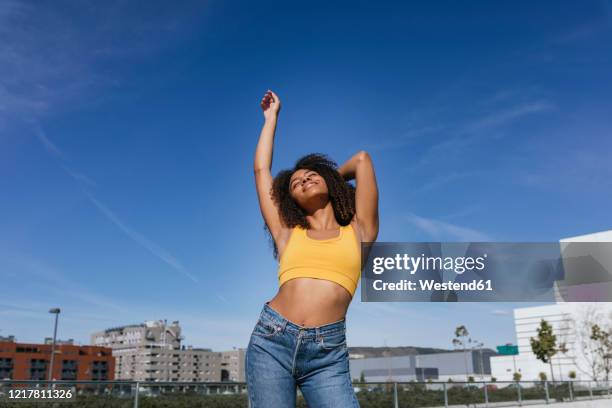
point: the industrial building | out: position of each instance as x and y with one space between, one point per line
456 365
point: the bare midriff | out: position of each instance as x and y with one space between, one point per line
310 302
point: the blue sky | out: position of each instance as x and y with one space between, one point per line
127 135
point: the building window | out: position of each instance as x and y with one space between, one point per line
6 368
69 369
38 369
99 370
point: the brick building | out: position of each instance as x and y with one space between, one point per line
25 361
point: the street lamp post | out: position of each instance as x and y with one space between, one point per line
56 312
480 344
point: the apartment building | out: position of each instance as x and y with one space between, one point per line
152 351
232 365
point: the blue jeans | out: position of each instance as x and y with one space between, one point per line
283 355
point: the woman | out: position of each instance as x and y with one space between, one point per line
316 220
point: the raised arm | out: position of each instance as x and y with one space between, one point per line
361 168
270 104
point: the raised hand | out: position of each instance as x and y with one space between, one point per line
270 104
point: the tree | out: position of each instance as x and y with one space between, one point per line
572 376
586 347
603 348
462 340
362 378
545 345
517 376
542 376
563 350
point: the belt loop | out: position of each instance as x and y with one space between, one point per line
284 325
317 333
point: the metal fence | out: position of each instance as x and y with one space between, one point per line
135 394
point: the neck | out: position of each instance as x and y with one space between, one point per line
323 218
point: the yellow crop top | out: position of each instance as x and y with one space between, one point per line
336 259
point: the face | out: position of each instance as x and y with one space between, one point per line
306 184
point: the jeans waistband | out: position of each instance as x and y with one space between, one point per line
287 325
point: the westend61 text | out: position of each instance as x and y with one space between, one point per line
426 285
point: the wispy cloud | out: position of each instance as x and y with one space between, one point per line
140 239
599 23
79 176
411 136
62 159
578 163
462 212
441 180
477 130
52 57
40 63
136 236
51 148
54 280
441 230
506 116
452 135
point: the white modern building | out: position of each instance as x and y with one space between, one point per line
571 323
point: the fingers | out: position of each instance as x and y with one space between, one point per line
276 98
269 98
265 101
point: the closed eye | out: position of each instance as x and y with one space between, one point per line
294 184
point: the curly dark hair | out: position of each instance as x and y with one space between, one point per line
341 194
